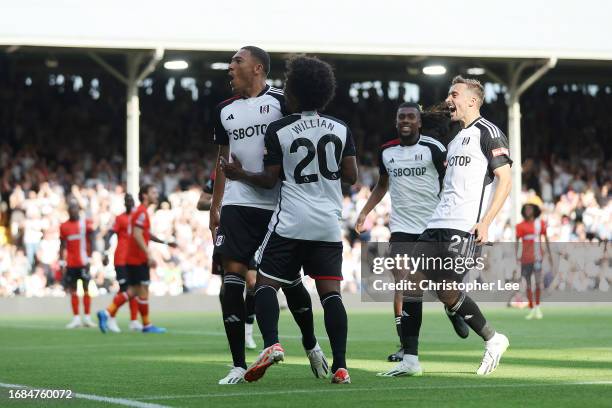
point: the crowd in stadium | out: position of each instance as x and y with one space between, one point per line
71 145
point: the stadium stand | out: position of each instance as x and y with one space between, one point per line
59 139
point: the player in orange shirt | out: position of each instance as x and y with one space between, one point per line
121 228
76 241
139 261
530 232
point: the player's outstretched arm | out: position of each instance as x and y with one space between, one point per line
504 184
171 244
377 194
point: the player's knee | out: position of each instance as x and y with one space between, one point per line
298 297
449 298
143 292
235 267
330 297
325 286
250 280
265 281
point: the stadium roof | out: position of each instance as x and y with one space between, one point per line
473 28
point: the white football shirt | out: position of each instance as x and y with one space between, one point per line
241 123
415 176
472 156
310 147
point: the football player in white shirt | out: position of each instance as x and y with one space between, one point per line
411 168
311 153
477 160
240 213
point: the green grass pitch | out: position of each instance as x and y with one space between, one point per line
563 360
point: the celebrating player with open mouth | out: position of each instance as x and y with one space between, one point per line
478 160
311 153
240 212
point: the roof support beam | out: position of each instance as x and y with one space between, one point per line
131 80
515 88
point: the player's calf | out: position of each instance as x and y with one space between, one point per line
234 315
336 325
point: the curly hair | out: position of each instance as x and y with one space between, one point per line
310 82
436 122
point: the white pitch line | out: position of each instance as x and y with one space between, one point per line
365 389
110 400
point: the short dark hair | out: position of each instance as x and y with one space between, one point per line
260 55
473 85
310 81
410 105
144 190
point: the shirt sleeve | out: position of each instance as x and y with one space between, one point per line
89 226
283 106
494 145
382 169
439 161
141 220
519 231
273 153
220 134
62 232
349 146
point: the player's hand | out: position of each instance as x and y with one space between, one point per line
151 261
481 231
359 224
233 170
213 223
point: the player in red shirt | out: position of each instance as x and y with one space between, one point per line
530 232
138 261
76 241
121 228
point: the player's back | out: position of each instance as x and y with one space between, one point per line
122 229
310 148
74 233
